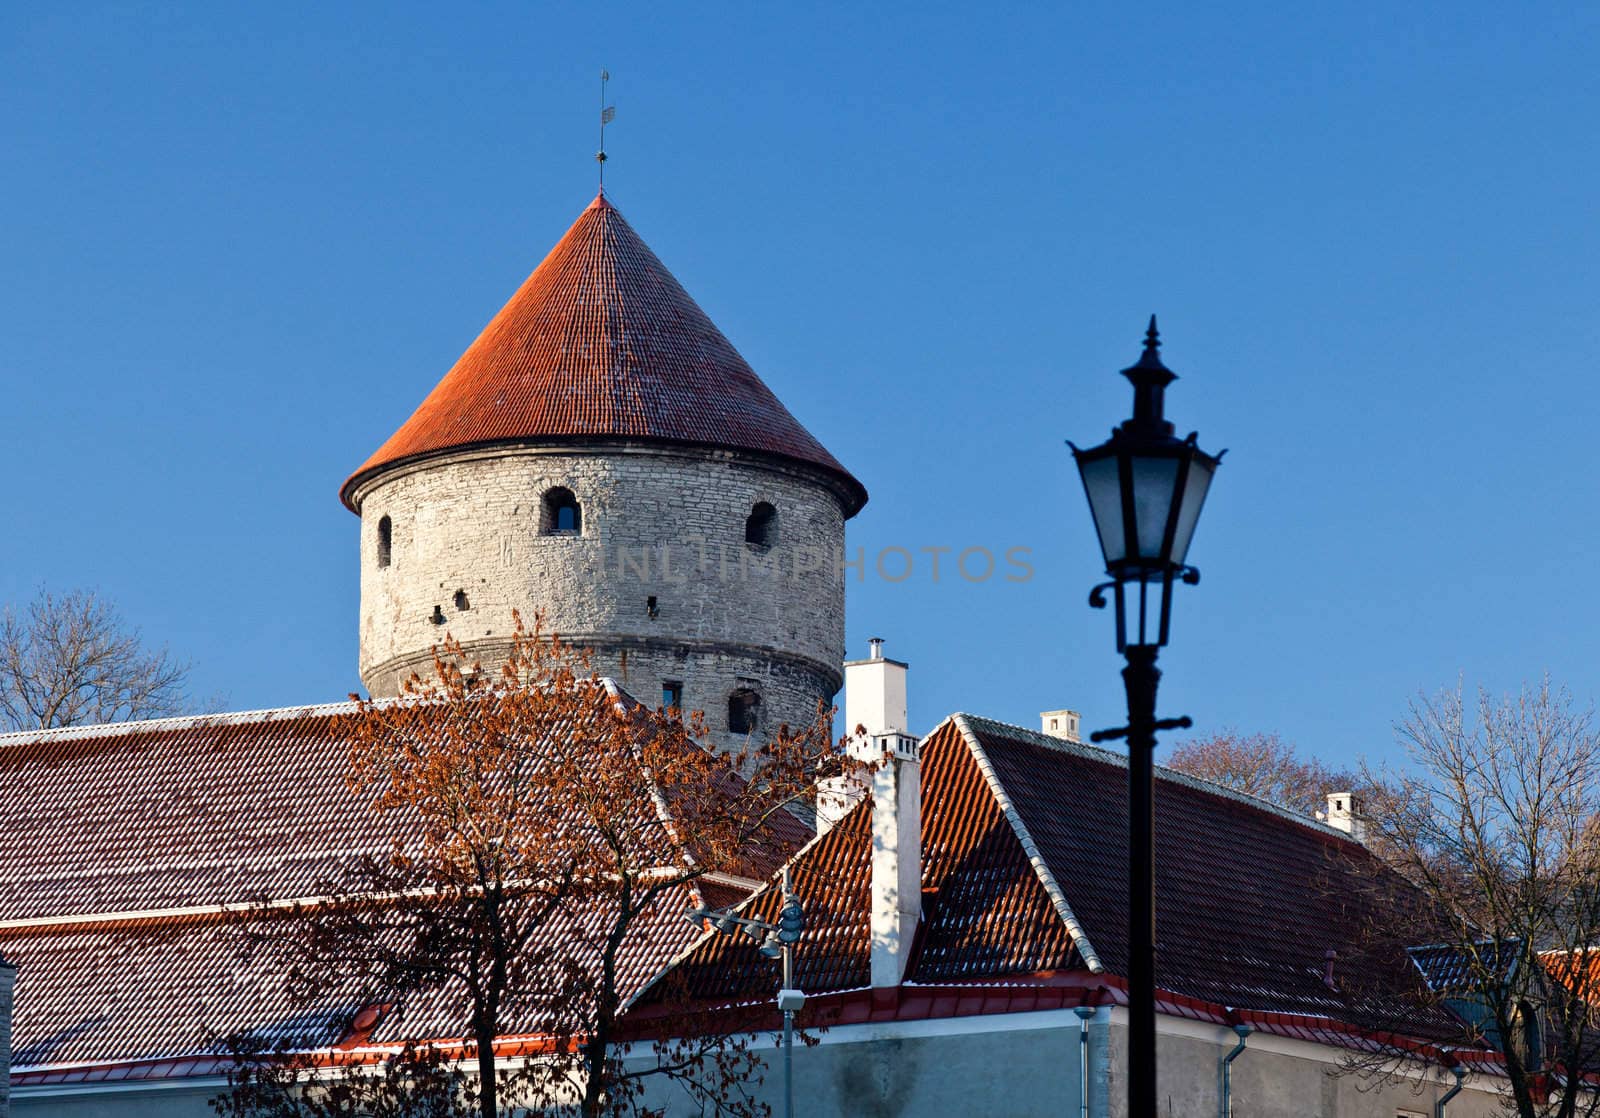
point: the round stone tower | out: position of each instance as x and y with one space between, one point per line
603 454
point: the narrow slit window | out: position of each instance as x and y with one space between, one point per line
385 541
671 695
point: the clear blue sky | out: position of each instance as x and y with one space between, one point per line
238 245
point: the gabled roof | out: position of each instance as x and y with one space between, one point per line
130 853
601 342
1025 876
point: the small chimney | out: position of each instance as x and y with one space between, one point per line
875 700
1061 724
1344 813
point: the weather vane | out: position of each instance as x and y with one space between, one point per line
608 113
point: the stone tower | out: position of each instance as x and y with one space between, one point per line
603 454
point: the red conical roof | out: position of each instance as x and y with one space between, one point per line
602 342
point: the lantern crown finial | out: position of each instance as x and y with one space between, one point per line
1150 379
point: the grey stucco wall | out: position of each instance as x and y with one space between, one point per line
931 1072
173 1102
658 522
1272 1079
8 984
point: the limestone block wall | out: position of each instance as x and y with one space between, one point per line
659 581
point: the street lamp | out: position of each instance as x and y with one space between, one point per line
777 942
1145 487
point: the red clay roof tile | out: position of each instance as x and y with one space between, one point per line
602 342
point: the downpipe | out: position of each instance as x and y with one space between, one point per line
1243 1032
1085 1015
1444 1101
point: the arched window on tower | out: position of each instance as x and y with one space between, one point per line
761 529
744 711
562 514
385 540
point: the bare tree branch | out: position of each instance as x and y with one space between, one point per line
72 661
1496 822
1262 765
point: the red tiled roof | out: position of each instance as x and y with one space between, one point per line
175 812
140 989
602 342
1249 898
122 847
986 910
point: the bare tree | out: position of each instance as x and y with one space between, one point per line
1262 765
1494 822
73 661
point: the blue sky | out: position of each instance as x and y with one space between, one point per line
239 246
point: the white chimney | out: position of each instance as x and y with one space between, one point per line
896 855
875 693
1344 813
1061 724
875 700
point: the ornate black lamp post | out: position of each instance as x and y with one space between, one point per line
1145 488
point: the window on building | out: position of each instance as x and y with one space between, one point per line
672 695
744 708
562 514
761 529
385 540
461 600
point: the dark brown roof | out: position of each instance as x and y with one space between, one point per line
602 342
1025 873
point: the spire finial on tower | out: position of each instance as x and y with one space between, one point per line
608 113
1152 337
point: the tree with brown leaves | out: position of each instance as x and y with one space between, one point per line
72 661
1494 821
1262 765
547 835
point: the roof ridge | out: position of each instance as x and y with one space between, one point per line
13 738
1199 784
174 722
1058 897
